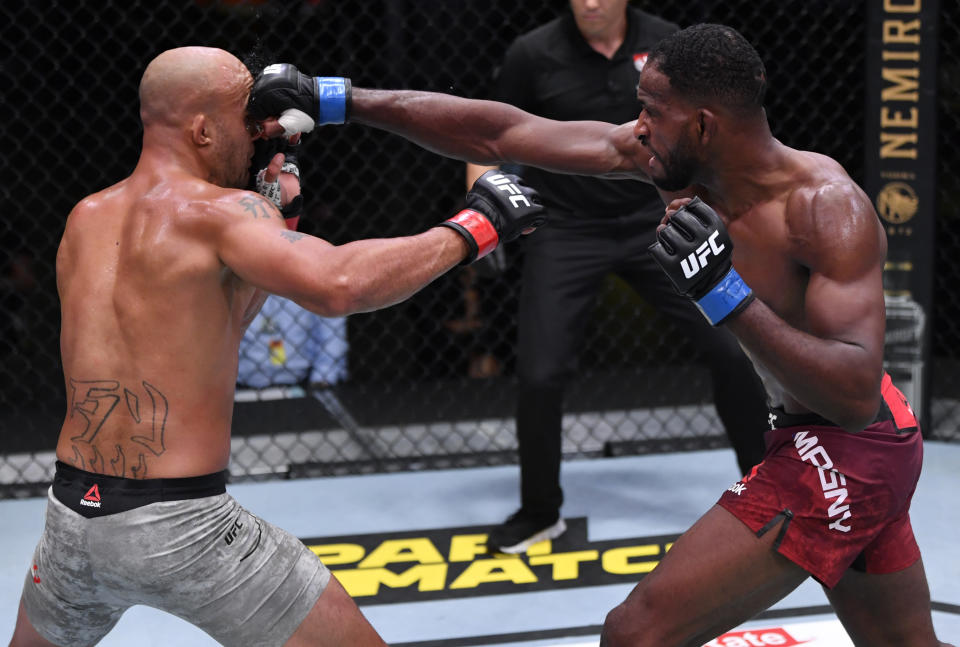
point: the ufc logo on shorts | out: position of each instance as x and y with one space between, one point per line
503 183
697 260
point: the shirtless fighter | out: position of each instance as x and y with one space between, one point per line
782 248
158 276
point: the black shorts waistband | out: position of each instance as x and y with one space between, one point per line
893 408
780 419
95 495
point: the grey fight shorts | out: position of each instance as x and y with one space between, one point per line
206 560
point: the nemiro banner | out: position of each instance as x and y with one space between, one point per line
900 178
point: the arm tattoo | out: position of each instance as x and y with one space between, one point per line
258 208
292 236
94 401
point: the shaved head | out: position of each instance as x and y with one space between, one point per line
183 81
193 103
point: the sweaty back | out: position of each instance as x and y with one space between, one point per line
151 319
151 322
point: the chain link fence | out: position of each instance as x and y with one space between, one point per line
430 382
945 380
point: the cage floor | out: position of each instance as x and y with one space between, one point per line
618 510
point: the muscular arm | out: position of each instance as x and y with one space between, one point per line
831 360
489 132
474 171
326 279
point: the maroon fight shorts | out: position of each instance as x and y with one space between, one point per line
840 499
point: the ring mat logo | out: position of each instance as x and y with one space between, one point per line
447 563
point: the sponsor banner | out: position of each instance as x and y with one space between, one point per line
900 177
829 633
444 563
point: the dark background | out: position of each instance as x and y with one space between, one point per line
69 126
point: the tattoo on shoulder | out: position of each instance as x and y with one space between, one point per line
292 236
259 208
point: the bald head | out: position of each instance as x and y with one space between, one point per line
181 82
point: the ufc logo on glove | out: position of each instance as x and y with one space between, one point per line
684 244
503 183
697 260
487 221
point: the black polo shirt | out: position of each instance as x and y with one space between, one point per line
552 72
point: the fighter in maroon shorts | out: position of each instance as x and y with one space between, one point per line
802 292
843 497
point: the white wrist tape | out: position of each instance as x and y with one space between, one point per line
271 190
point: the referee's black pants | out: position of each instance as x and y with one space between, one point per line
564 265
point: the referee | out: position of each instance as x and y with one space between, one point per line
585 65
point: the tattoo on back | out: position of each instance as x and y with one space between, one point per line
258 208
95 401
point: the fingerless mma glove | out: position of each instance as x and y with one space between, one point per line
694 250
281 87
499 208
264 152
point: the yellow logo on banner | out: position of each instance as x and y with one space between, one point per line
897 202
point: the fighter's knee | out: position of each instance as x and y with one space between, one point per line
621 629
637 623
610 635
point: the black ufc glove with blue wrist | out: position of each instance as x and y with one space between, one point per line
694 250
282 87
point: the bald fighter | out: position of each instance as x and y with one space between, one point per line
158 275
784 250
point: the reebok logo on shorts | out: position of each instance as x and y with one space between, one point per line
92 497
740 486
832 482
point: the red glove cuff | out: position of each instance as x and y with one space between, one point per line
480 229
291 213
